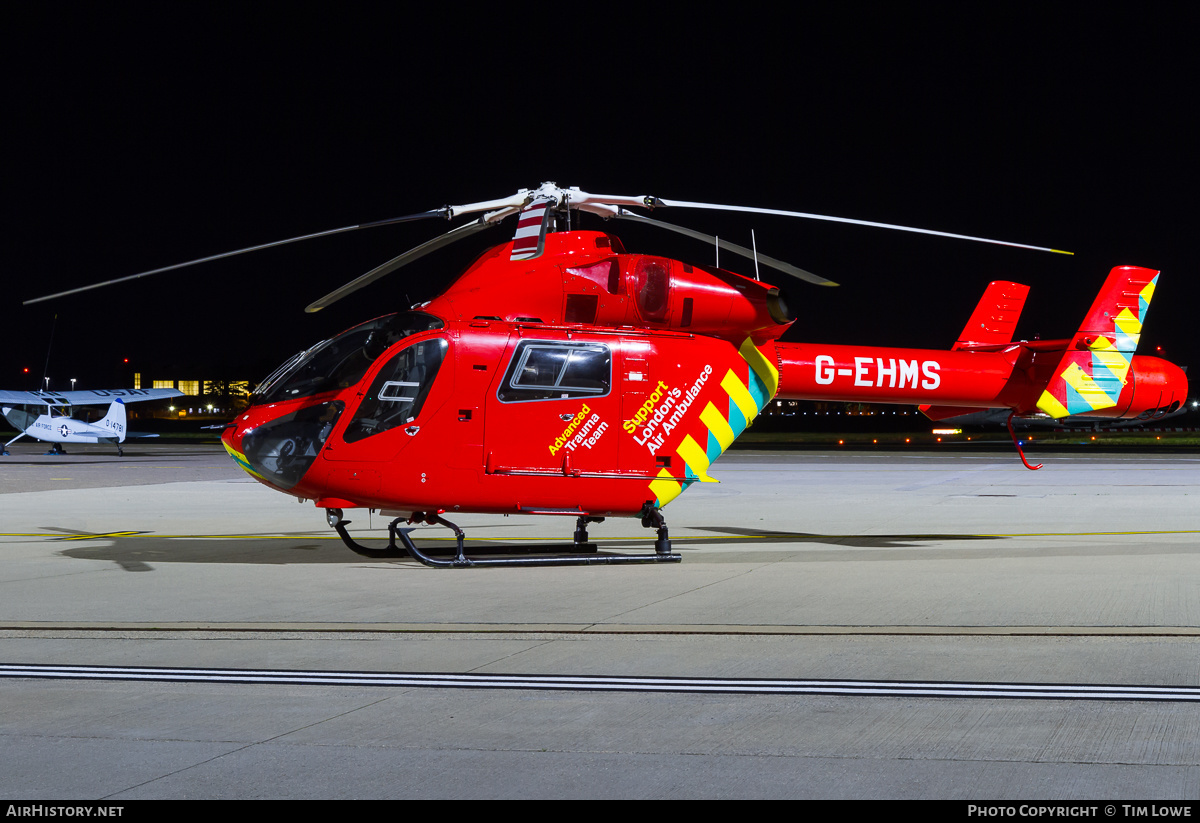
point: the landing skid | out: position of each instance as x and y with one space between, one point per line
662 546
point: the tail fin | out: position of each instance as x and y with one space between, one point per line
114 421
995 318
991 325
1092 371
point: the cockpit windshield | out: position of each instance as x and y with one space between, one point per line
341 361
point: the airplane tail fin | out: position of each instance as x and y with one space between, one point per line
114 421
1092 371
995 318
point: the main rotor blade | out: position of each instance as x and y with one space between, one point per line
779 265
689 205
405 219
518 201
409 256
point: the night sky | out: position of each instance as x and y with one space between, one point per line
144 135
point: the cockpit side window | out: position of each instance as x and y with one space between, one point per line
343 360
398 391
552 370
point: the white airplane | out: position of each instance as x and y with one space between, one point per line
56 425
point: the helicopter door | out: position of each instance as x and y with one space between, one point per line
402 396
554 411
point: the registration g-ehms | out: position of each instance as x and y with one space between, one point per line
475 401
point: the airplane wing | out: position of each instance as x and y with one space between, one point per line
85 397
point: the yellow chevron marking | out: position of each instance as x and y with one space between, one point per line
696 458
717 425
1128 324
763 367
1091 394
737 390
665 488
1148 292
241 460
1050 405
1114 361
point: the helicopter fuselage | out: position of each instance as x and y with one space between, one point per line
590 382
492 416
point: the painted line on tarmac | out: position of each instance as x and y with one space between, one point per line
766 538
859 688
184 630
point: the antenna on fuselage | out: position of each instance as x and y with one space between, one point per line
49 346
754 248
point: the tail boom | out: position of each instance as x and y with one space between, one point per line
949 383
1093 373
866 374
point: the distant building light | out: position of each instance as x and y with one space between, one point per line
947 431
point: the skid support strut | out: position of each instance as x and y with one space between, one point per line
581 535
334 516
652 519
460 560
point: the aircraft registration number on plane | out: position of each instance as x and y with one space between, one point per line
880 371
97 393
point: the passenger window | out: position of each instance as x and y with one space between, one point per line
547 370
399 390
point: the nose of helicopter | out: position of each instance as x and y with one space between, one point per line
278 445
231 440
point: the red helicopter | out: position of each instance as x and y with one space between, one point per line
560 375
